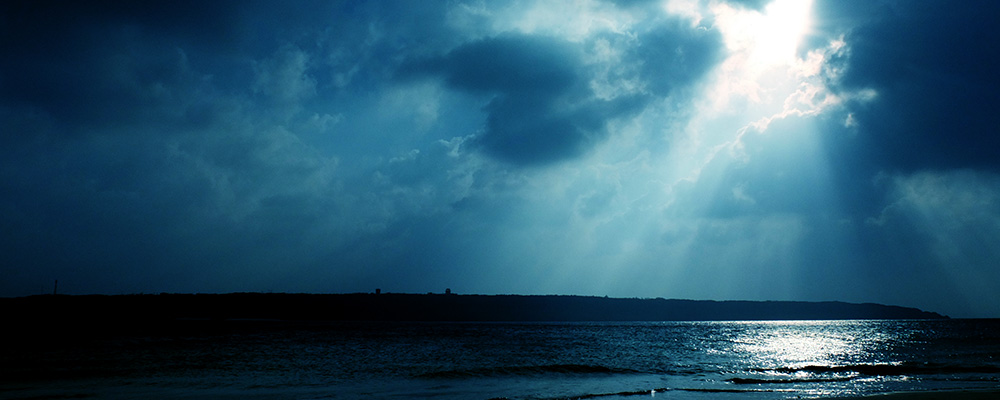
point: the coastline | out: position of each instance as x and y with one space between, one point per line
166 308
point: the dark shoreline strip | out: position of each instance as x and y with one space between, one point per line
957 394
123 311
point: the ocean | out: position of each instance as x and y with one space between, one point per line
578 360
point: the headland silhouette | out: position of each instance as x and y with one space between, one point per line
165 308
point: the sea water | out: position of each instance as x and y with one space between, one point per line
607 360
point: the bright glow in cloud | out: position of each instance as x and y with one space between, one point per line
772 37
759 43
761 79
750 138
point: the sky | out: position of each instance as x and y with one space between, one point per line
704 149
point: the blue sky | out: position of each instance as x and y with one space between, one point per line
704 149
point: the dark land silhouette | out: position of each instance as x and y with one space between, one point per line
159 309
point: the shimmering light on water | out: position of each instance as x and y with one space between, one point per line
803 343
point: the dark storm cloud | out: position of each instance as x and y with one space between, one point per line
540 104
673 55
88 88
175 146
99 63
542 108
934 72
513 63
124 147
89 65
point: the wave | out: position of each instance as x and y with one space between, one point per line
889 369
648 392
844 373
751 381
527 370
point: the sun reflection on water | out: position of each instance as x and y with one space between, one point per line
809 356
793 345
